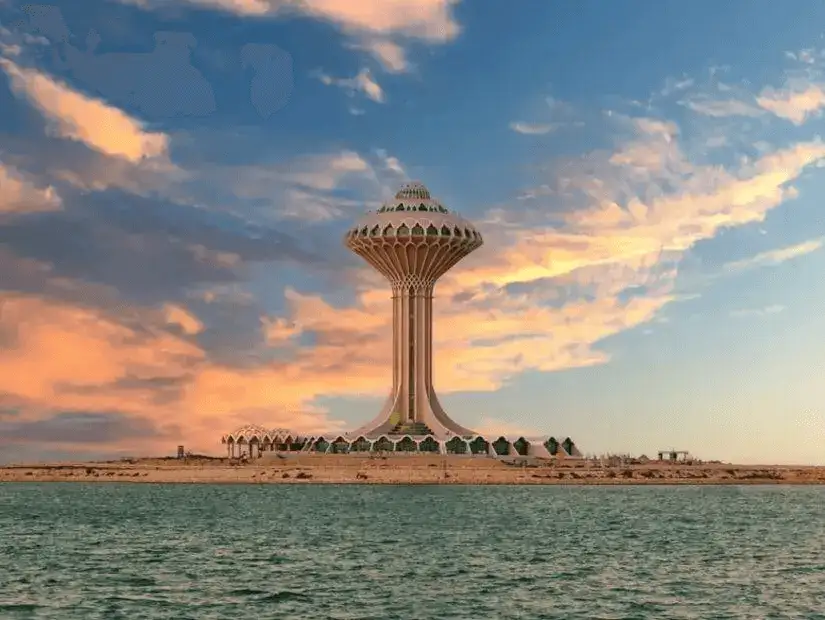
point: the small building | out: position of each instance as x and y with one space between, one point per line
674 456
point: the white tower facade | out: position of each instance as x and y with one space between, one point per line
413 240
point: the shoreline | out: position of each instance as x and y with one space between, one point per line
410 470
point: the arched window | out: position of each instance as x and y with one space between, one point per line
445 232
374 231
418 231
340 446
422 207
400 206
456 445
457 233
389 231
406 445
501 446
403 231
479 445
428 445
432 231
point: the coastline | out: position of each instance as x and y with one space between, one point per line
407 470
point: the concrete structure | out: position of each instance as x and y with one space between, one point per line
412 240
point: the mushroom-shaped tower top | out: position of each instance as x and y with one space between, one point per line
412 238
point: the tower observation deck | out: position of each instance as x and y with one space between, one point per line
413 240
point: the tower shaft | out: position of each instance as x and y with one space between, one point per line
412 353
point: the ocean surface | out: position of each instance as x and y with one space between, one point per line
109 551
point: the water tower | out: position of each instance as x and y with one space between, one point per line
413 240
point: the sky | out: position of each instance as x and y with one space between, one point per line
176 177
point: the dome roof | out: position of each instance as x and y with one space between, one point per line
249 430
413 196
255 431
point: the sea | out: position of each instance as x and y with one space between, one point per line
154 551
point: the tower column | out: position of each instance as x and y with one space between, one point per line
412 351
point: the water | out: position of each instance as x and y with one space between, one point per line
150 551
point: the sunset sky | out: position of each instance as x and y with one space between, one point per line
176 177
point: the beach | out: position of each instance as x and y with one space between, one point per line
407 469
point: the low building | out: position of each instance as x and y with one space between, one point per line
253 441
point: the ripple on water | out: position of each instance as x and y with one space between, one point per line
347 552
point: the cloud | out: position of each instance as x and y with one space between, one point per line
80 428
800 98
312 188
532 129
147 251
177 315
391 163
757 312
377 24
63 352
362 83
19 195
723 108
776 257
159 83
493 427
391 55
81 360
77 117
796 102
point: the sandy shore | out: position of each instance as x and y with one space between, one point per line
405 470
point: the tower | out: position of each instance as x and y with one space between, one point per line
412 240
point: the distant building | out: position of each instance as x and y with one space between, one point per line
674 456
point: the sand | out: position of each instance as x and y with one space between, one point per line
405 469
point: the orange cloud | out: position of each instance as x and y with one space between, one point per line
426 19
61 352
19 195
77 117
177 315
796 102
374 22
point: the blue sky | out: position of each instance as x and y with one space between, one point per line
175 179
